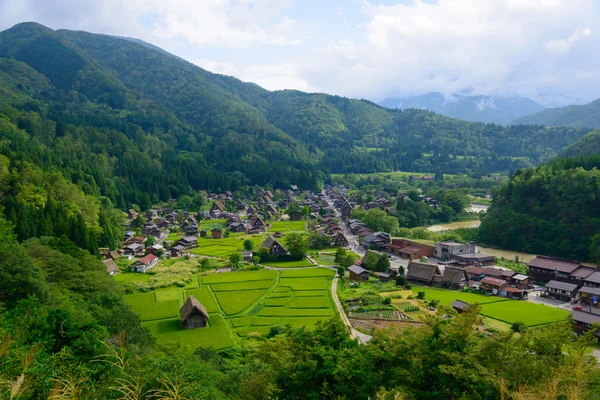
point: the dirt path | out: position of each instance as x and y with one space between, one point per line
362 338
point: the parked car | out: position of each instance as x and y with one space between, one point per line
578 308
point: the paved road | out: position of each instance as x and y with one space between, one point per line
362 338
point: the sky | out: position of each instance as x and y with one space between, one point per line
546 50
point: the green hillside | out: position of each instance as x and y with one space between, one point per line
585 116
589 144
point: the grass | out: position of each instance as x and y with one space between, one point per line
277 302
446 297
236 302
304 283
290 312
149 309
235 286
262 321
287 226
290 264
209 224
305 273
226 246
129 277
239 277
248 331
522 311
205 297
217 335
311 293
311 302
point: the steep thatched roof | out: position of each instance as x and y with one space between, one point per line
190 305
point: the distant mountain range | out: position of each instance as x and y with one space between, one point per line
585 116
499 110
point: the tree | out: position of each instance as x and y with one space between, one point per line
383 264
518 327
341 271
401 270
378 220
255 260
370 261
248 245
401 281
421 295
150 241
296 245
235 259
318 241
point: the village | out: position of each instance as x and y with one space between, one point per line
256 229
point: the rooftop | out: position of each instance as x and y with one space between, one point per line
554 264
569 287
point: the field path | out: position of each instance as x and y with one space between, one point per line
355 334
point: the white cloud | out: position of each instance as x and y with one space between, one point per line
561 46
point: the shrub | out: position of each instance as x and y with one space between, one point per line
387 301
276 330
410 297
421 295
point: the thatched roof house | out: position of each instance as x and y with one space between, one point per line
193 314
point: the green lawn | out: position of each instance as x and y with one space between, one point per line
290 264
149 309
209 224
446 296
287 226
226 246
234 286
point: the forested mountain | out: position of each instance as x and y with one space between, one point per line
89 123
585 116
552 209
589 144
489 109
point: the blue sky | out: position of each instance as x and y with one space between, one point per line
542 49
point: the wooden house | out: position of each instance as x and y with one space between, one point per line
584 321
339 240
590 296
453 277
202 233
410 249
217 208
216 233
188 242
111 267
193 314
546 269
492 285
563 291
460 306
421 272
275 248
358 273
144 263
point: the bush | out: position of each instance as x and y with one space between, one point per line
410 297
421 295
341 271
518 327
401 281
276 330
387 301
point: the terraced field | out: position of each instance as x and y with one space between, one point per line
239 304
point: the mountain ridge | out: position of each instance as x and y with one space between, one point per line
580 116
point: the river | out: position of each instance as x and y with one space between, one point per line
454 225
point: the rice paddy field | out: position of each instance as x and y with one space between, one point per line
500 309
287 226
226 246
239 304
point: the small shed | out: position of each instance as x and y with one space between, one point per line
111 266
358 273
460 306
217 233
193 314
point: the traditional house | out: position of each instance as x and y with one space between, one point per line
237 227
155 249
592 280
589 296
460 306
258 223
217 233
580 274
546 269
377 240
562 291
358 273
144 263
346 209
132 214
493 285
133 249
274 246
453 277
422 272
111 267
246 256
217 208
387 276
188 242
177 251
520 281
583 322
339 240
202 233
193 314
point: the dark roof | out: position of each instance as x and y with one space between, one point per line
582 272
553 264
561 286
461 305
585 317
476 270
507 273
594 277
270 241
146 260
473 256
453 275
357 269
189 239
422 271
590 290
190 305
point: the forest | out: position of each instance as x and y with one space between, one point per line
552 210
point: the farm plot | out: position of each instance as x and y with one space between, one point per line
522 311
149 309
236 302
216 335
311 302
235 286
304 283
446 297
226 246
277 302
311 293
239 277
293 312
287 226
205 297
290 264
307 273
